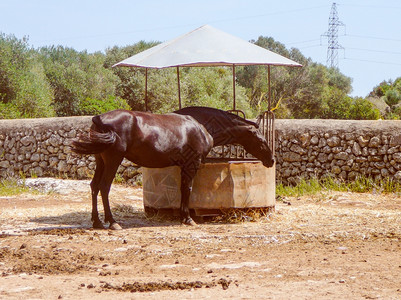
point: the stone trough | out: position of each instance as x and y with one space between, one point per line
216 187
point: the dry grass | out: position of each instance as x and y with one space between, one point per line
239 215
324 216
338 215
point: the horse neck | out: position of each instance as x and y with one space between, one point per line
246 138
227 133
253 142
223 127
234 135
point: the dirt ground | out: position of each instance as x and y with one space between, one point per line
330 246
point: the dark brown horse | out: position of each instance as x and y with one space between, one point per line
228 128
149 140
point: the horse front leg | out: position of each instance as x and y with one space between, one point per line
186 188
95 191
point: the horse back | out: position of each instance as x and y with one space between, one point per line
177 130
154 140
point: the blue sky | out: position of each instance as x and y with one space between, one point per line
371 37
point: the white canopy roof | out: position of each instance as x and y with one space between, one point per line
205 46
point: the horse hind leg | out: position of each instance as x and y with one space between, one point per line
109 172
96 223
186 188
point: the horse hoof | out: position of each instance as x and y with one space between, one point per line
98 225
115 226
189 222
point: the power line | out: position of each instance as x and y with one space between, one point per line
303 42
370 50
310 46
373 61
274 13
215 21
373 6
372 37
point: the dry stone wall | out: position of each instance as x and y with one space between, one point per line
342 148
41 147
304 148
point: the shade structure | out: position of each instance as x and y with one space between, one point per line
202 47
208 47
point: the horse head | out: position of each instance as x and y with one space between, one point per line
256 144
228 128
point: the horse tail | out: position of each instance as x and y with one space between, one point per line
98 140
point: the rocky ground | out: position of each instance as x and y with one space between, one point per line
329 246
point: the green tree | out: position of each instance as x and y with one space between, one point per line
362 109
381 89
392 97
24 90
9 111
300 92
338 80
199 86
213 87
76 76
337 104
388 93
131 84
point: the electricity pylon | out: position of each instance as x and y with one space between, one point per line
332 35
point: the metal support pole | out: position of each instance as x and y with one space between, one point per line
270 93
179 88
233 87
146 89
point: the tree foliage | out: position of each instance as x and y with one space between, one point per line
198 86
306 92
388 93
131 84
61 81
76 76
24 91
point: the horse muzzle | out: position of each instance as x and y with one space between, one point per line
269 164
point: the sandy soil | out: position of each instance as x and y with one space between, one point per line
331 246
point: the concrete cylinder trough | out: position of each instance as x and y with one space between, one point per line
216 187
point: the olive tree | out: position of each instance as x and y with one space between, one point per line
24 89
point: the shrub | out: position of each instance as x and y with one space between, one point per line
362 109
94 106
393 97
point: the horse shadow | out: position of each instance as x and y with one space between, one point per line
134 218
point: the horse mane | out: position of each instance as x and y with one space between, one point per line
216 111
259 119
243 120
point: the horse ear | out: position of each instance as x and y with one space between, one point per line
258 120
